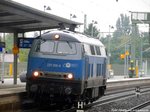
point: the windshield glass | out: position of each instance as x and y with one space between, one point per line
45 46
54 47
66 48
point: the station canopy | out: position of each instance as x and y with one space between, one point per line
21 18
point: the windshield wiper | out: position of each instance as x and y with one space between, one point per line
69 44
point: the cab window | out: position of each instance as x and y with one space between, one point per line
45 46
98 52
92 50
66 48
87 49
103 51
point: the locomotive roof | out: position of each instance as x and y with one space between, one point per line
71 36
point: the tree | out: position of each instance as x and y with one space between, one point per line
146 45
123 26
125 34
23 55
120 37
92 31
9 42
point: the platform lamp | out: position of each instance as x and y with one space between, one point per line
109 53
47 8
72 16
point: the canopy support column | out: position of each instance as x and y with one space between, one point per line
15 59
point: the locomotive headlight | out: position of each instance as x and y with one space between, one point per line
56 37
36 74
70 76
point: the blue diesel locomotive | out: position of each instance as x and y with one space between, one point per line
65 67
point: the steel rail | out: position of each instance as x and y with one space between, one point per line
110 92
108 100
138 107
105 101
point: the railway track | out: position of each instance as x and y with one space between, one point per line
110 92
111 96
117 95
139 107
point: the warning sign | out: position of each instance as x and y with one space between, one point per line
15 49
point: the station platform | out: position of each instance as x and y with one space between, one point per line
124 78
8 88
123 82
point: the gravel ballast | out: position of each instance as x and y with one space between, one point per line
123 105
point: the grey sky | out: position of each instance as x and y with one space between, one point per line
105 12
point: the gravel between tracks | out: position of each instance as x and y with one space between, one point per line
122 105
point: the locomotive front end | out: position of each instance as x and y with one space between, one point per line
55 67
